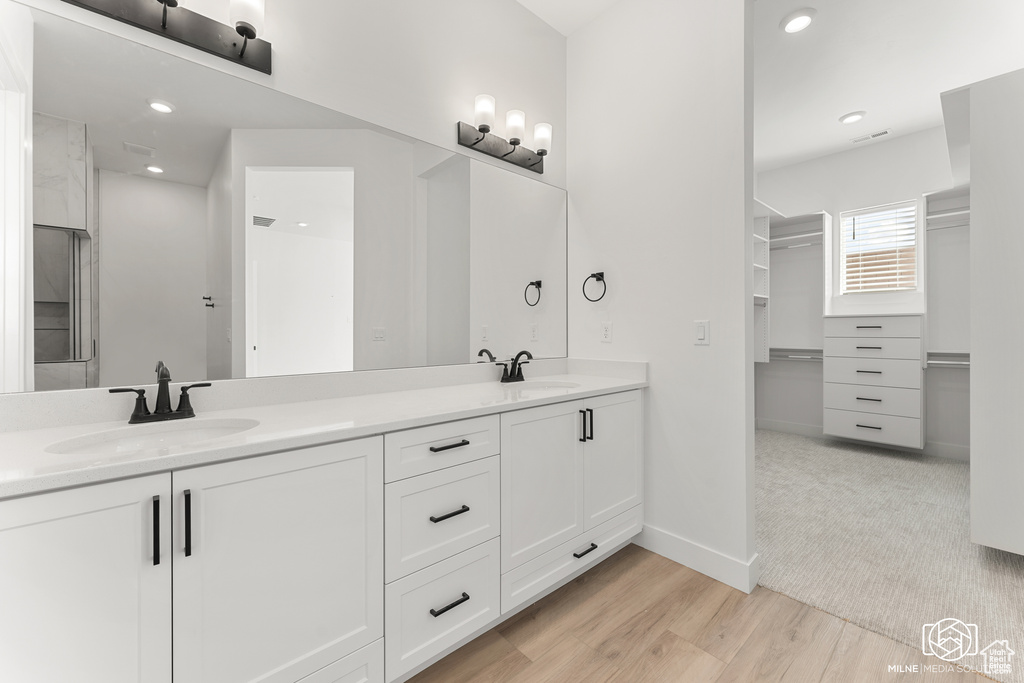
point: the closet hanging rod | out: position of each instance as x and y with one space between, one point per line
947 214
795 246
797 236
951 363
947 227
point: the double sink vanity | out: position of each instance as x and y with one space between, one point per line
346 539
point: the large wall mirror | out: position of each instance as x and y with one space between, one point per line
277 237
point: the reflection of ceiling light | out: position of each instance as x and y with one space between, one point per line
161 106
852 117
154 169
798 20
303 225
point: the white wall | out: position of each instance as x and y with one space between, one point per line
997 328
218 270
667 218
148 311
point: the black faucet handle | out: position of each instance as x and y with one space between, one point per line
125 390
141 406
504 371
185 403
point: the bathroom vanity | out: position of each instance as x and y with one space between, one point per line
347 539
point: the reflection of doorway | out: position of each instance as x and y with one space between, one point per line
299 270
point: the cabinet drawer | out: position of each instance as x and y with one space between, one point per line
408 453
879 372
532 578
414 540
362 666
874 326
879 400
438 606
908 348
887 429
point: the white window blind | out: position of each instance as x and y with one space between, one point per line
879 248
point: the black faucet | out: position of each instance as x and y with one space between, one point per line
163 410
515 373
482 353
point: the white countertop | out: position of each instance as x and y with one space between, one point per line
27 467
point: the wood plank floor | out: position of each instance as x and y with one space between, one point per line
638 617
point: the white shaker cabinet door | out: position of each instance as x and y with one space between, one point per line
541 480
613 456
83 598
278 570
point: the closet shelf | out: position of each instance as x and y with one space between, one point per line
802 235
947 214
760 238
758 266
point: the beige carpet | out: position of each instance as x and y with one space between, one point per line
882 538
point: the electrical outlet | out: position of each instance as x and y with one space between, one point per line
483 333
702 332
606 332
534 332
380 334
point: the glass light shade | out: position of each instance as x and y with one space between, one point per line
542 138
515 126
248 12
484 118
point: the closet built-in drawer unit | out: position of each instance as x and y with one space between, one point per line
442 553
874 380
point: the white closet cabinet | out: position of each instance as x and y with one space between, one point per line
278 570
83 597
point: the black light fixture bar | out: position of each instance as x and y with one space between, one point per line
186 27
500 148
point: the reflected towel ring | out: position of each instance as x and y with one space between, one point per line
526 293
599 277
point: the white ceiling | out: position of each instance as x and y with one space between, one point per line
565 16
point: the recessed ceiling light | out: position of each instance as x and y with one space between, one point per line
154 169
798 20
303 225
161 106
852 117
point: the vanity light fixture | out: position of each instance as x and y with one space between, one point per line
154 169
797 21
160 106
852 117
194 29
480 138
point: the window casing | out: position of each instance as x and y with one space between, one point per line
878 248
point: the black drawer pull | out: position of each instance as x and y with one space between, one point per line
590 413
435 520
156 530
870 372
869 327
188 522
870 427
871 348
583 431
438 449
438 612
876 400
592 548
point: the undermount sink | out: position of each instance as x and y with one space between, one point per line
158 436
544 384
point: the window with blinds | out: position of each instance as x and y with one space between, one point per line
878 248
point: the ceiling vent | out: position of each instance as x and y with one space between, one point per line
872 136
141 150
262 222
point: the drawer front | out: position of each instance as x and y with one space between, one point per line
874 326
879 400
434 516
362 666
532 578
463 593
408 453
880 372
885 429
908 348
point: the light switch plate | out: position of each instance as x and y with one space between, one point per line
483 333
702 332
380 334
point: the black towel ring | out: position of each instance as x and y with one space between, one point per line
599 277
526 293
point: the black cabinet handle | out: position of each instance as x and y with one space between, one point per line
870 372
438 612
869 327
156 530
435 520
871 348
592 548
590 413
188 523
876 400
583 430
438 449
870 427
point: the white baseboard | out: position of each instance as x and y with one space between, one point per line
790 427
728 570
948 450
